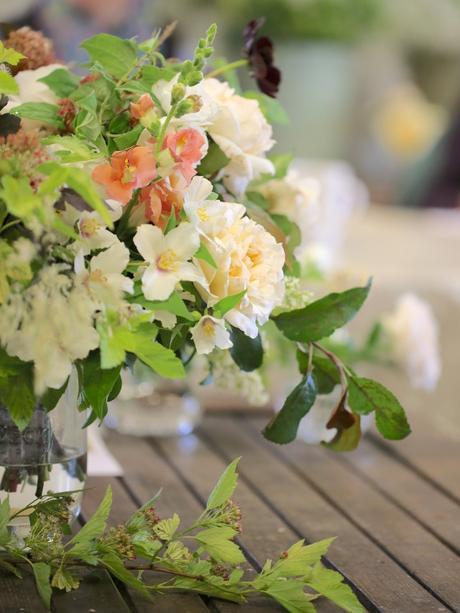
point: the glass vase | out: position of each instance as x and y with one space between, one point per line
49 455
151 406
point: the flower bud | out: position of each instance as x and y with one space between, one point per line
178 92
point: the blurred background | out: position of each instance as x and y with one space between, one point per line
372 92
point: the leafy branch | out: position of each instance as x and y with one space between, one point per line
202 558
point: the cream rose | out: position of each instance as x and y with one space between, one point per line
243 134
248 259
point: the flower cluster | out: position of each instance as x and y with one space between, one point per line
142 219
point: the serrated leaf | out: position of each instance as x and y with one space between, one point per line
44 112
8 84
61 81
366 395
166 528
321 318
10 56
116 55
225 486
247 353
283 427
228 303
290 594
64 580
218 543
93 528
42 574
329 583
299 556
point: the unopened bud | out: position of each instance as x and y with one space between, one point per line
178 92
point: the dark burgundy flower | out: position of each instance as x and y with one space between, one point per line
259 52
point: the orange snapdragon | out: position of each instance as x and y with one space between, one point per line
125 172
187 147
160 198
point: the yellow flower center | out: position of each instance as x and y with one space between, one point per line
97 276
89 227
235 270
208 327
168 261
129 173
202 214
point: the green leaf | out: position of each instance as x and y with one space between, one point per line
97 383
116 56
283 427
17 394
321 318
153 74
71 149
224 488
64 580
61 81
8 84
19 197
44 112
160 359
247 353
270 107
5 512
167 528
204 254
290 594
129 138
227 304
174 304
299 556
93 528
325 373
281 162
51 397
329 583
217 542
214 161
116 567
10 56
366 395
42 574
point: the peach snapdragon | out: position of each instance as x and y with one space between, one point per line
125 172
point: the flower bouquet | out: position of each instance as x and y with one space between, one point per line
133 227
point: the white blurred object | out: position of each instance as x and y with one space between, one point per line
101 462
340 195
413 333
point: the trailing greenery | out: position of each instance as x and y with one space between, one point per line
203 557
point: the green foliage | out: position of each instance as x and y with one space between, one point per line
214 161
366 395
116 55
283 427
16 388
204 254
96 384
61 81
43 112
9 56
209 567
270 107
8 84
225 305
247 353
321 318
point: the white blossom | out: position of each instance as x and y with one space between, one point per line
209 333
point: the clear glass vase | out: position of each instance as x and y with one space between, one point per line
151 406
49 455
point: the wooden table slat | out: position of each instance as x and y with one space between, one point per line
314 518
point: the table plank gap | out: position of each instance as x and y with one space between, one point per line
415 496
430 470
354 554
420 555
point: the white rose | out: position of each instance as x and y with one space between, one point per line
248 259
413 334
297 197
242 132
32 90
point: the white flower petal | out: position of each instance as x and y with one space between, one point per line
184 241
149 241
158 284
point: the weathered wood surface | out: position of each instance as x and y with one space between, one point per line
394 508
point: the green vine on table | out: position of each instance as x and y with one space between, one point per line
202 558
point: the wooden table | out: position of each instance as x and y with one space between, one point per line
393 507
